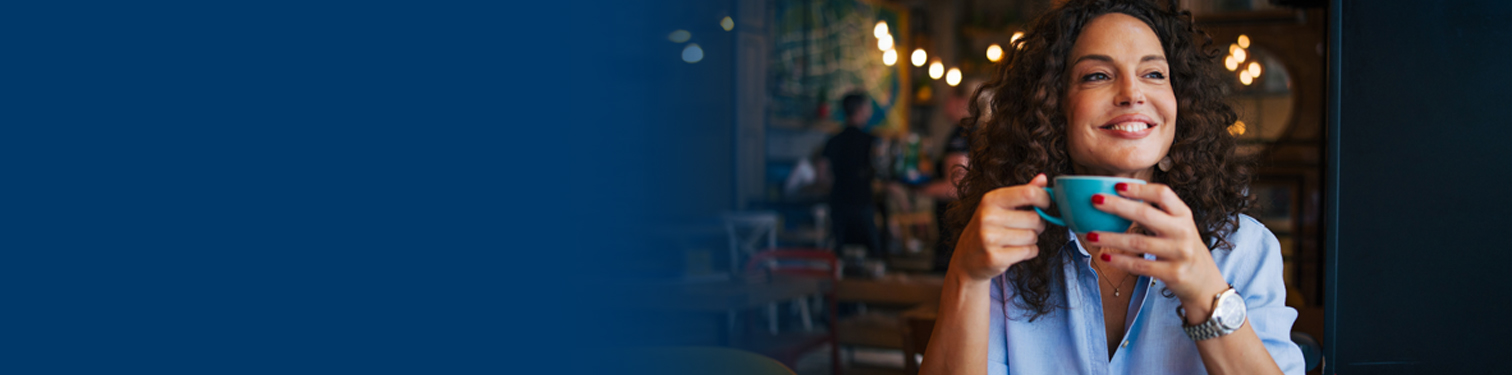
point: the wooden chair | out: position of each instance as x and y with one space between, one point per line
802 262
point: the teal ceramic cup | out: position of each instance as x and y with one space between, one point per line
1074 196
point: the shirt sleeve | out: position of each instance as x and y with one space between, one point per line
997 338
1264 291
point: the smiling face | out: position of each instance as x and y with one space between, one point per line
1120 108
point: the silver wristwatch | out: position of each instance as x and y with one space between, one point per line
1228 315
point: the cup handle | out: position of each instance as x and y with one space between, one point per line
1051 219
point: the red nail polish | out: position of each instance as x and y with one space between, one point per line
1097 199
1107 258
1122 186
1091 237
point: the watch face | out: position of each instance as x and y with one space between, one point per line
1230 312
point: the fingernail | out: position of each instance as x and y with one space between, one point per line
1122 186
1091 237
1097 199
1107 258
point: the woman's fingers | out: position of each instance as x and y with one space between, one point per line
1012 219
1138 265
1146 215
1009 237
1159 194
1134 244
1019 196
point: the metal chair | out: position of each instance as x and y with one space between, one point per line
804 262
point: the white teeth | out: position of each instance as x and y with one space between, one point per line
1131 126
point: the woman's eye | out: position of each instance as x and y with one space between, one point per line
1094 77
1156 75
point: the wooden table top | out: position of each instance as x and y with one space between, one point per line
719 296
893 288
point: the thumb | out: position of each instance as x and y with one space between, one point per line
1040 180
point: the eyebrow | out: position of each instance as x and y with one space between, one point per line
1106 59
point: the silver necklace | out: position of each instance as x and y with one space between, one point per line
1105 280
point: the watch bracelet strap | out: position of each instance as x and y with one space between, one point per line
1207 330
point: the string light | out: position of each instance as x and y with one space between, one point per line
953 77
880 29
1243 41
1246 78
1254 69
994 52
885 42
890 57
1240 54
1228 62
919 57
936 70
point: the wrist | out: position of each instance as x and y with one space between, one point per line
1199 306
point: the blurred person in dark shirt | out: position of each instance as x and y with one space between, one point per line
848 161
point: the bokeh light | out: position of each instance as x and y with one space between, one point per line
1254 69
936 70
994 52
919 57
692 53
880 30
885 42
1240 55
1228 62
1243 41
679 36
953 77
1237 129
890 57
727 23
1246 78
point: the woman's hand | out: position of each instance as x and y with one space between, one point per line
1182 260
1002 232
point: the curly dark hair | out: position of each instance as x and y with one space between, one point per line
1026 135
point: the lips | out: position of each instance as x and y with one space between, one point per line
1130 126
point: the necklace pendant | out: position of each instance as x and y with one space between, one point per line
1115 293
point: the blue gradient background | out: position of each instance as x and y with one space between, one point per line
343 187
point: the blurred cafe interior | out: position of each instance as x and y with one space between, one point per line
781 266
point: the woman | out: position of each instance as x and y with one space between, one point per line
1111 88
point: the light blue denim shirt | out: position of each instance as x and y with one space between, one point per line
1073 340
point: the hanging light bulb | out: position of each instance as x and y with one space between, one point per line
880 29
936 70
890 57
885 42
1246 78
994 52
953 77
1254 69
919 57
1228 62
1243 41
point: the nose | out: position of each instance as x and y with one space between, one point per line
1129 93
